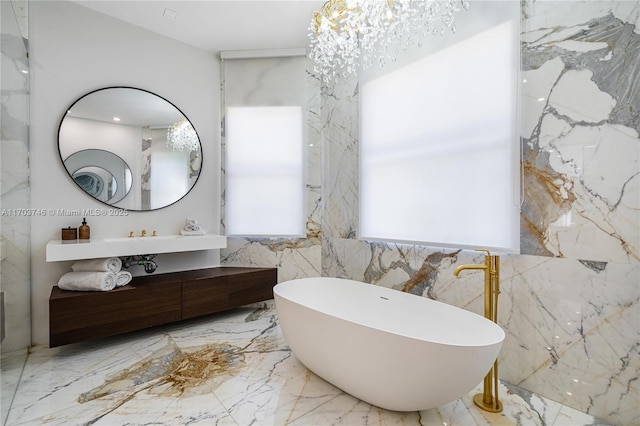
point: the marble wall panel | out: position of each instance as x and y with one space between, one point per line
573 333
341 158
572 326
15 221
570 301
15 264
580 103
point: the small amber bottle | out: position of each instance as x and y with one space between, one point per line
84 232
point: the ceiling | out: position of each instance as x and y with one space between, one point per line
215 25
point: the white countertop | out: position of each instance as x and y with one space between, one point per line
110 247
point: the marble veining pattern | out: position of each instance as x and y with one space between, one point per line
340 134
570 301
568 338
572 324
233 368
15 187
15 258
581 97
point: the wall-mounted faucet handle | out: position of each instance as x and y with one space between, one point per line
154 234
143 233
131 234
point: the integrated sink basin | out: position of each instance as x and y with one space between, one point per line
131 246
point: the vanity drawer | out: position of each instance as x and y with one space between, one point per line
213 294
75 316
152 300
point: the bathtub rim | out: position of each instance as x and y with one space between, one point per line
498 340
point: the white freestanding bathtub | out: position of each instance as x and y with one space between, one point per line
391 349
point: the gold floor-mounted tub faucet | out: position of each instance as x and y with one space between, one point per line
488 400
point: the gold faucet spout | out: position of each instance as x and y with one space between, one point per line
463 267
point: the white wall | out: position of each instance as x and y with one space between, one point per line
74 50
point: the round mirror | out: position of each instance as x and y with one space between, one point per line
129 148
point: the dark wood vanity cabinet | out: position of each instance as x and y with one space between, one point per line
227 288
153 300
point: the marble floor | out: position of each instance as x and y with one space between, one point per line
233 368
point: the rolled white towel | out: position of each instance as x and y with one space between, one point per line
109 264
87 281
192 225
123 278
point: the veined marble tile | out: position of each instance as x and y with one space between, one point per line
548 15
14 181
12 364
341 159
571 325
232 368
572 297
572 333
293 258
582 154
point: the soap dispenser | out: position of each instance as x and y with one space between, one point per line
84 232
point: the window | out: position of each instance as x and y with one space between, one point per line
264 140
440 148
264 171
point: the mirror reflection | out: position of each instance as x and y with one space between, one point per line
101 174
129 148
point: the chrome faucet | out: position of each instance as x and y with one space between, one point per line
487 400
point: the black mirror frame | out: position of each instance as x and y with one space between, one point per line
142 90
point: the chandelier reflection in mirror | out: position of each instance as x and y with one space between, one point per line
348 34
181 136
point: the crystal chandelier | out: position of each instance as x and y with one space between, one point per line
181 136
348 34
